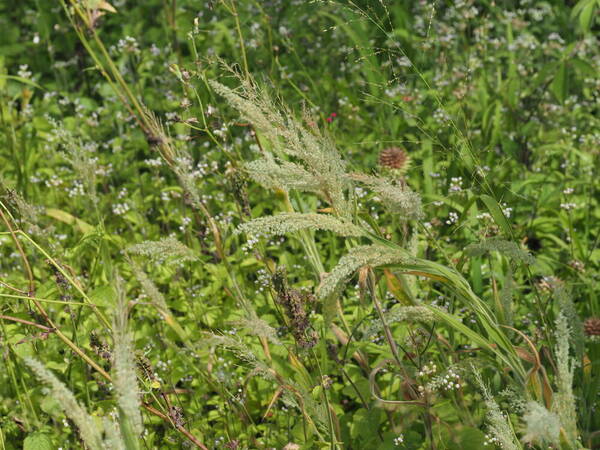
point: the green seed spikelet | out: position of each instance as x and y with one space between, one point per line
124 374
543 426
284 223
284 175
396 198
498 422
507 248
357 257
163 250
89 430
564 403
320 164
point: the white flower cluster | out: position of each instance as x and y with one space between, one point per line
263 280
76 190
250 244
120 208
399 440
506 210
492 440
452 218
424 373
156 162
24 71
128 45
455 184
448 382
427 370
53 181
451 381
568 206
185 222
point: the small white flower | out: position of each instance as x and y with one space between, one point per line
455 184
24 71
568 206
452 218
120 208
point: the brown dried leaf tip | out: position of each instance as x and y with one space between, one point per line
591 326
394 158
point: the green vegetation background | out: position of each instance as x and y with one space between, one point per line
111 135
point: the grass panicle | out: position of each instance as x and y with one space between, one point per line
542 426
499 424
288 136
507 248
398 199
284 223
357 257
163 250
564 402
124 374
89 429
282 174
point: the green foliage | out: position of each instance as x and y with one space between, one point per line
281 286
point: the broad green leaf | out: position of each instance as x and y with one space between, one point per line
586 14
104 296
497 214
37 441
559 86
67 218
21 80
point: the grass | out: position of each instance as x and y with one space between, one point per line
286 224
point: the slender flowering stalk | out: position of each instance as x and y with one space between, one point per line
284 223
124 375
89 429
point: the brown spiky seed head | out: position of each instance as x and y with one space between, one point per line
591 326
393 158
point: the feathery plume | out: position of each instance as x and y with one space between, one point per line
156 297
259 327
124 375
507 248
241 350
282 175
498 422
564 399
357 257
543 426
163 249
397 199
188 176
112 435
568 309
289 136
90 431
284 223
